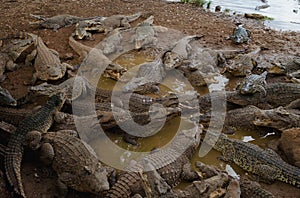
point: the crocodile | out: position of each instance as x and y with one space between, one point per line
169 164
92 58
267 164
75 162
47 63
280 64
14 51
253 189
58 21
254 83
205 188
82 89
149 74
240 119
116 21
145 34
103 25
179 52
279 118
278 94
240 35
84 27
41 121
243 64
6 98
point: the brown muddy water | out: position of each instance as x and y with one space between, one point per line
134 58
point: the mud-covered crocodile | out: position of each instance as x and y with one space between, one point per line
47 63
58 21
279 118
254 83
278 94
104 24
265 163
75 162
15 50
179 52
243 64
241 119
171 164
41 121
93 58
148 77
6 98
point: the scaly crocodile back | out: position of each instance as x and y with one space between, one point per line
167 162
40 121
248 156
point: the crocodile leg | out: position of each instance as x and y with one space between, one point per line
188 174
267 173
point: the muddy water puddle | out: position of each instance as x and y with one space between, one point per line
130 61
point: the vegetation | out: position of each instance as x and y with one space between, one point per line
200 3
268 18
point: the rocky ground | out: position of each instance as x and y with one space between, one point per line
190 19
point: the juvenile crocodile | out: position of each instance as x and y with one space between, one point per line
279 118
116 21
243 64
174 57
47 63
6 98
265 163
94 58
240 35
171 164
145 34
83 28
254 83
79 88
240 119
149 76
16 48
41 121
253 189
57 22
75 162
278 94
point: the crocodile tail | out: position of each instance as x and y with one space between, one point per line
12 165
134 17
124 186
17 35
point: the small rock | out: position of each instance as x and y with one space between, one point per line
289 143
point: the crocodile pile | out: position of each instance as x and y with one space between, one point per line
81 115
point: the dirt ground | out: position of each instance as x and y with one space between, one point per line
190 19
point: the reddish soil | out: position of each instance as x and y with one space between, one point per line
187 18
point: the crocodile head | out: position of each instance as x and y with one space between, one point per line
58 99
6 98
241 35
172 60
114 71
278 118
93 179
253 83
277 68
